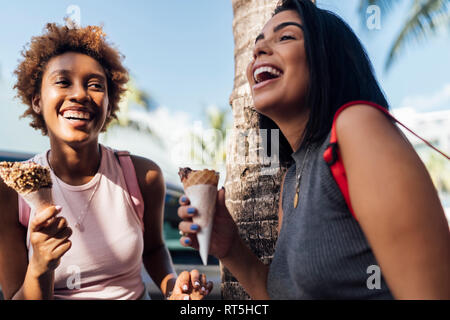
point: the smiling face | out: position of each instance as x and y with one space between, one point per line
73 99
278 75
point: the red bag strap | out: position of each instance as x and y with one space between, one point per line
332 154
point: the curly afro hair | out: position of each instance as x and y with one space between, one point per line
57 40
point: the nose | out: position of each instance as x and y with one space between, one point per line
261 47
79 93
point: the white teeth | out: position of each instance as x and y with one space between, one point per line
270 70
76 114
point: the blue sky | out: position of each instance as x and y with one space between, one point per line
422 70
181 51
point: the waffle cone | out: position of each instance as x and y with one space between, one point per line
203 198
40 199
201 177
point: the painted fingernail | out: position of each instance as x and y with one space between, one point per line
203 289
197 284
58 208
191 210
186 298
194 227
187 241
185 287
183 199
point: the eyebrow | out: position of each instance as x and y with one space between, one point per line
68 72
279 27
58 72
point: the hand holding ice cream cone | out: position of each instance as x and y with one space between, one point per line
49 234
201 188
224 230
49 238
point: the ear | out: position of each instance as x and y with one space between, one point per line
36 104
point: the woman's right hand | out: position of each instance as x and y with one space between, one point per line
49 236
224 230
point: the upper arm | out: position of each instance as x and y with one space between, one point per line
396 204
13 251
152 186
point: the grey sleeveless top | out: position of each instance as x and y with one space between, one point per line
321 252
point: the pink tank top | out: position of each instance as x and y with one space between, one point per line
105 259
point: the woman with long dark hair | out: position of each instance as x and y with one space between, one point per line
359 216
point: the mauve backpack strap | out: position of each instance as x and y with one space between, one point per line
333 158
132 184
24 212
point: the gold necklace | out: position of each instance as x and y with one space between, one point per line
299 177
82 215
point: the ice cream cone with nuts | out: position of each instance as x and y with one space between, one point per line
201 188
31 180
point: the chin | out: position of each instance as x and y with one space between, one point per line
79 138
267 107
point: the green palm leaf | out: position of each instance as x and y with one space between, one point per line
423 20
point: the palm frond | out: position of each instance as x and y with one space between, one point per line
424 19
139 97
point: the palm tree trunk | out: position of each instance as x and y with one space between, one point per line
252 198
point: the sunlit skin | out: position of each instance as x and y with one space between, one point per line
281 44
391 192
78 82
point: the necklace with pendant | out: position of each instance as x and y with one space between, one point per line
82 215
299 177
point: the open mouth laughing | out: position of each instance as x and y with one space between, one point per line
264 74
77 116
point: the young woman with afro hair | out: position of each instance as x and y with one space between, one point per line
109 214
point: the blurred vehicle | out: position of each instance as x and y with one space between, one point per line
183 258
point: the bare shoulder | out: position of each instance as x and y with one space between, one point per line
149 174
396 204
362 118
374 149
364 131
